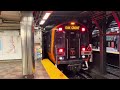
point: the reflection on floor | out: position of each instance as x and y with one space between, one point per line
13 70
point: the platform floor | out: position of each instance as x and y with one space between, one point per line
13 70
40 72
10 69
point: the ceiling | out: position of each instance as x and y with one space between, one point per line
58 17
10 20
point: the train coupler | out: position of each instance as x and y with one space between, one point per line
74 67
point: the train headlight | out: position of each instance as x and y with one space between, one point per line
83 56
61 58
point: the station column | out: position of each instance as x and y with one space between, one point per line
27 36
101 25
103 46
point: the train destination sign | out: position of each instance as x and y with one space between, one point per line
72 27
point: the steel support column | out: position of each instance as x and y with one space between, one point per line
101 24
27 36
103 47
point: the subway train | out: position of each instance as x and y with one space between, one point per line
67 44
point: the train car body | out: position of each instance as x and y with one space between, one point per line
68 44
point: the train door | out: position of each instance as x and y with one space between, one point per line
72 45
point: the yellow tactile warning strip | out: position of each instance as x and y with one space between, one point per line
53 72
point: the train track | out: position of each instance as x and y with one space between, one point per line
85 75
79 75
113 70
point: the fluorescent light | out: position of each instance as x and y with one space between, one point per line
46 16
42 22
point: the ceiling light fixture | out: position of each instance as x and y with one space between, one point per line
42 22
45 17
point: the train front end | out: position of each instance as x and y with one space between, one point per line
72 45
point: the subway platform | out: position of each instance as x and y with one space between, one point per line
44 69
13 70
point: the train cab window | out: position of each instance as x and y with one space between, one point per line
59 41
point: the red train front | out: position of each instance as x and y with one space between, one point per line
70 45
